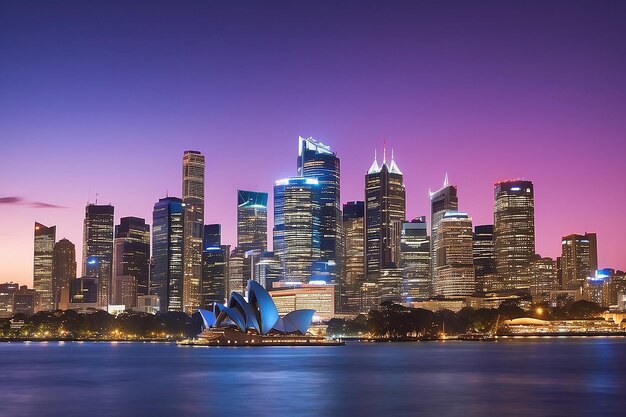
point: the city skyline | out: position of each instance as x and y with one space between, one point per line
548 108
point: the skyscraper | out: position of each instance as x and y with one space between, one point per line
43 261
514 232
578 260
353 228
454 259
214 262
193 197
98 249
131 253
316 160
543 276
297 226
63 270
251 220
415 259
442 200
385 205
484 257
167 253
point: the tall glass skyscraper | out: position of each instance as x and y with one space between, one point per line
43 261
167 253
415 259
454 259
484 258
385 208
514 233
251 220
98 249
297 226
354 255
442 200
214 263
316 160
63 270
131 253
193 197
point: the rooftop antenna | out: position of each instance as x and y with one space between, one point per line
384 151
375 154
96 199
445 181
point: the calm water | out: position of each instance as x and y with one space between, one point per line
532 377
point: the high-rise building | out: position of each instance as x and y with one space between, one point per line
579 260
43 261
63 269
597 287
98 249
385 205
454 259
316 160
251 220
543 276
193 198
514 233
214 263
267 270
415 259
297 226
131 253
353 228
484 258
443 200
167 253
236 280
84 292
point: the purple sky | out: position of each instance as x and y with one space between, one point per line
105 97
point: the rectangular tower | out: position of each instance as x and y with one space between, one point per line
353 228
251 220
415 259
454 259
131 255
441 201
43 261
98 249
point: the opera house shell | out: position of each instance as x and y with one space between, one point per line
255 320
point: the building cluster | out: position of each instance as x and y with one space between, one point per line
331 257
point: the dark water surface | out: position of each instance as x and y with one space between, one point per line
529 377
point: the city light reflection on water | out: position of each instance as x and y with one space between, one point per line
514 377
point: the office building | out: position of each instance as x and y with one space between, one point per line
454 273
297 226
84 293
64 270
353 228
167 253
193 198
385 204
124 292
26 300
43 265
543 277
514 233
98 249
443 200
131 253
214 264
290 296
484 258
597 288
251 220
579 259
415 259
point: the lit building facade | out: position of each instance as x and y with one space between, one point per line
63 270
214 264
98 249
353 227
514 233
297 226
296 296
543 276
597 288
318 161
578 260
193 197
251 220
415 259
131 253
443 200
167 253
454 258
484 258
385 209
84 292
43 264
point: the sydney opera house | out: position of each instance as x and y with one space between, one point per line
254 320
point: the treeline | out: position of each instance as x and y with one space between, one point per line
100 325
396 322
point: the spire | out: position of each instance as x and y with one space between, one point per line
374 168
393 168
445 181
384 151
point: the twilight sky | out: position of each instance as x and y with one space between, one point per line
105 97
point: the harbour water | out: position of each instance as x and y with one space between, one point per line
510 377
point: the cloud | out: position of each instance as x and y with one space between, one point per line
19 201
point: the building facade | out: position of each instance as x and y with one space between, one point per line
484 258
251 220
415 259
64 270
193 198
514 233
214 264
98 249
167 253
454 258
131 253
579 259
443 200
353 228
43 264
